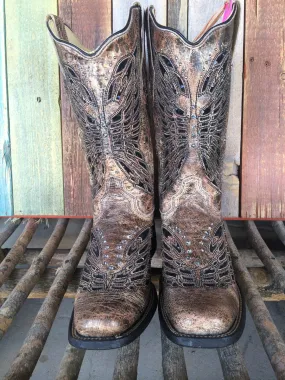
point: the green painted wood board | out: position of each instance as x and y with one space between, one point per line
5 156
33 94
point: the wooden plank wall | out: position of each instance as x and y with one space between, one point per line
263 157
91 22
33 88
121 11
6 207
232 160
45 180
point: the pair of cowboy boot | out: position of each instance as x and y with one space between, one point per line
199 304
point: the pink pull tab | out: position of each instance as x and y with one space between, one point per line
228 10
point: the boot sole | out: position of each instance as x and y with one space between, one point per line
200 341
101 343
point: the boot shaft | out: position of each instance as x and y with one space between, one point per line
105 87
190 94
190 91
106 92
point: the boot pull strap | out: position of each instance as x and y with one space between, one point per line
224 11
58 27
228 10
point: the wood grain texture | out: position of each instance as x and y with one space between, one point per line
90 20
126 366
199 12
263 158
177 15
6 207
231 181
173 361
33 108
121 11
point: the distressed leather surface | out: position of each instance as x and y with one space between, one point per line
190 98
201 311
107 314
107 96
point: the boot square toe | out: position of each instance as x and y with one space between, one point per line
201 312
108 314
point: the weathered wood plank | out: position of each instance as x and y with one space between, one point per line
6 206
90 20
18 296
177 16
126 366
11 260
263 180
231 181
198 15
70 364
33 108
28 356
232 362
173 361
121 11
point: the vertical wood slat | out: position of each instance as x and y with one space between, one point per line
121 11
90 20
232 159
199 13
6 207
33 89
263 158
177 15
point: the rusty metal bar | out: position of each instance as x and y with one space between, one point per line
232 363
273 344
126 366
26 360
70 364
18 249
263 252
10 227
173 361
279 228
23 288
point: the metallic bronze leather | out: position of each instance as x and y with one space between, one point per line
107 95
201 312
112 314
190 98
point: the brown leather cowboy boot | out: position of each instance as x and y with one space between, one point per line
116 300
200 303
